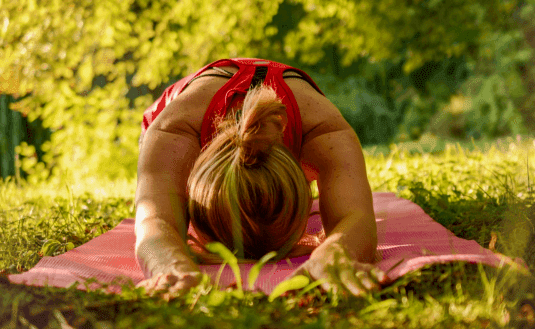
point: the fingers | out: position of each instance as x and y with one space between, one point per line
169 283
374 273
358 279
379 276
157 283
358 283
186 281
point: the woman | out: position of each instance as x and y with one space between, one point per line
232 148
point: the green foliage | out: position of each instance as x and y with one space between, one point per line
416 31
366 111
88 69
78 62
57 53
493 101
10 136
496 90
493 112
255 270
228 257
50 247
382 104
424 92
294 283
48 220
14 129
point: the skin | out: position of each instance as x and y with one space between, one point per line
331 154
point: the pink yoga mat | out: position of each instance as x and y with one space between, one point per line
406 235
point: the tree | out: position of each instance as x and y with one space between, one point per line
77 60
413 31
87 67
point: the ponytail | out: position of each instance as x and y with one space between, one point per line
246 189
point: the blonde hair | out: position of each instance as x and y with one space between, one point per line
246 189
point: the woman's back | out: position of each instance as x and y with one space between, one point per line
330 152
317 114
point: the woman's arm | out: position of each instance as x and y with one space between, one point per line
346 204
169 149
332 154
161 220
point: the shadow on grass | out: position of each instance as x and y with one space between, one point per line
505 224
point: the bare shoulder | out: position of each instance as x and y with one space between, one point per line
187 110
318 115
331 153
328 139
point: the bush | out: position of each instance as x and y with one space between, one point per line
367 112
488 104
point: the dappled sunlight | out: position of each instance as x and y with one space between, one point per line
97 187
457 170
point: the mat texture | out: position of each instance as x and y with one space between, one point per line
406 236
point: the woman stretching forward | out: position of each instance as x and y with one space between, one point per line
232 149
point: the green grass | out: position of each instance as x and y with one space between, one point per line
476 190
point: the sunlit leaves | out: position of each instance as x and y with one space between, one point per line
77 60
417 31
56 56
65 54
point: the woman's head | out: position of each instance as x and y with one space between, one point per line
246 189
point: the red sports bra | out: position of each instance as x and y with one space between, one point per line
251 71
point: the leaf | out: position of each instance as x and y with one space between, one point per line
85 72
216 298
379 305
237 294
223 252
218 276
69 246
297 282
255 270
311 286
50 247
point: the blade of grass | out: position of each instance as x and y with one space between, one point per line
379 305
219 249
295 283
311 286
218 277
255 270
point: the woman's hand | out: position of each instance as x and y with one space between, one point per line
332 263
170 283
